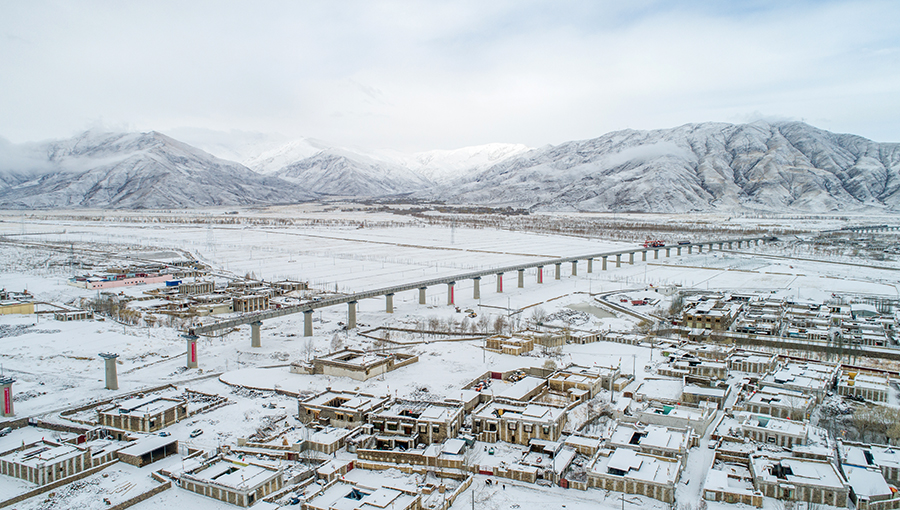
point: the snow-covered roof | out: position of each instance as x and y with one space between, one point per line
866 482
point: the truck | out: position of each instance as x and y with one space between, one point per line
654 243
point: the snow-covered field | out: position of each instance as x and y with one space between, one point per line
56 365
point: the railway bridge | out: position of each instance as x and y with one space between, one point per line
606 259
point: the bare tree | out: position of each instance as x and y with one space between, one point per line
677 304
309 348
484 323
499 324
337 343
538 315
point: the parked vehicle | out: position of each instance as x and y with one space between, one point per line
196 432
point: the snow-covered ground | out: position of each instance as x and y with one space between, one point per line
56 364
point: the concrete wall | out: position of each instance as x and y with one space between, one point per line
59 483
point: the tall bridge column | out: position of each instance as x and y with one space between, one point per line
540 274
757 242
499 282
690 249
631 258
476 293
669 252
618 260
603 264
574 268
450 287
558 271
6 407
112 379
351 315
711 247
720 247
699 248
422 295
729 246
307 322
192 351
590 265
655 254
521 278
644 256
678 251
254 334
389 303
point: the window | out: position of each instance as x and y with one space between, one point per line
512 425
423 428
528 428
546 430
435 429
392 425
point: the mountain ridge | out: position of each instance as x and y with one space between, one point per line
694 167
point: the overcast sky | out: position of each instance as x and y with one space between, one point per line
423 75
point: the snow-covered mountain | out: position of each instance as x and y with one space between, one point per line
234 145
442 166
273 160
343 173
787 166
776 167
131 170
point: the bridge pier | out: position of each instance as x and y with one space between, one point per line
603 264
499 282
729 246
540 274
450 296
655 254
112 378
389 303
631 258
254 334
590 265
191 351
757 242
476 294
720 247
351 315
521 278
644 256
618 260
307 323
669 252
558 271
574 268
710 246
699 248
422 295
6 409
690 249
678 251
